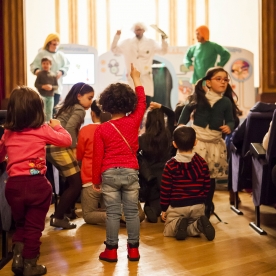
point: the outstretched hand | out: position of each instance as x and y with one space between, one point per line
135 75
118 32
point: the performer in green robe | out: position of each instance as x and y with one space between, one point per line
203 55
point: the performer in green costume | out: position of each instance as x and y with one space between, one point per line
203 55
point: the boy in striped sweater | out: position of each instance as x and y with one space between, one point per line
184 189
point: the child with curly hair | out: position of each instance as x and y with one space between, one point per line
115 164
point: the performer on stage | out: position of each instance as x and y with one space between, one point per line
140 51
203 55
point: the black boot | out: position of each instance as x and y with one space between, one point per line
31 268
17 263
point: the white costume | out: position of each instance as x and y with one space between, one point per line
140 52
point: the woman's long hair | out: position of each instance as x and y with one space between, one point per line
157 136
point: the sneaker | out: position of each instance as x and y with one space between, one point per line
151 215
205 227
181 232
110 253
133 251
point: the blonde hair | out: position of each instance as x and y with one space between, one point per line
49 38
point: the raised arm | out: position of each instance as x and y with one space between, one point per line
170 114
114 45
163 49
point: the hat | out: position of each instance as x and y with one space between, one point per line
51 37
204 32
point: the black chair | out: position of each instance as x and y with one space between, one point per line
240 168
263 162
5 211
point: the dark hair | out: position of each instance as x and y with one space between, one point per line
25 109
72 97
118 98
199 97
184 138
178 109
157 136
104 116
95 108
46 59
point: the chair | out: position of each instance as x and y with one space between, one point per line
255 126
263 162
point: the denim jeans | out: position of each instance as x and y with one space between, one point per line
121 186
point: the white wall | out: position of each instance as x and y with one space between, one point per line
236 23
40 21
231 22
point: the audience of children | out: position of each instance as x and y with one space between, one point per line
28 192
155 146
93 208
71 115
46 83
115 165
184 189
213 115
182 192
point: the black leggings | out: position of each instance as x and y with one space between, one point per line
69 196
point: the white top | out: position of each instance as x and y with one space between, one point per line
140 52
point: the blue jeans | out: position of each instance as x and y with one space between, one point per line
121 186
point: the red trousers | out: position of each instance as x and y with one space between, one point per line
29 198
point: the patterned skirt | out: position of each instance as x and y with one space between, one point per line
63 159
212 148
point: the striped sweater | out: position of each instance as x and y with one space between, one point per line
184 184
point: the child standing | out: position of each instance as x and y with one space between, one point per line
46 84
213 113
91 197
28 192
115 165
185 186
71 115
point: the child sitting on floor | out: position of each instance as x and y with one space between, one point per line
184 189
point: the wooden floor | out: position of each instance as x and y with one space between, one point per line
236 250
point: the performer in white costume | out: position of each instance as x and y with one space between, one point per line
140 51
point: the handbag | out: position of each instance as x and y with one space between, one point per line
144 169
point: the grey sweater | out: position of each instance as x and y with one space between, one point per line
72 120
44 77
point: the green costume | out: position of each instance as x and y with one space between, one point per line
204 56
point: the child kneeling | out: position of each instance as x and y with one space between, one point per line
184 189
